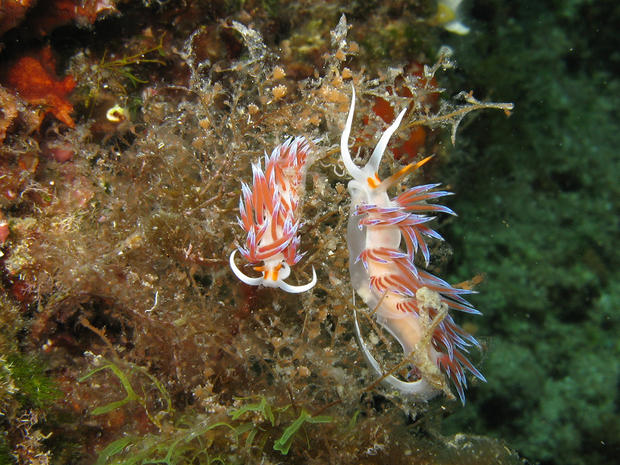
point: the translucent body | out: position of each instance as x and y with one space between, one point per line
411 304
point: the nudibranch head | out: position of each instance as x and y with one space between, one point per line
273 276
367 176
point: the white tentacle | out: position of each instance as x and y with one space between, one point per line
377 153
239 274
351 167
298 289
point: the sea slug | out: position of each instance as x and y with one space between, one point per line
268 214
410 303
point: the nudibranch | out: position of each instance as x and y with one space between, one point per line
268 214
410 303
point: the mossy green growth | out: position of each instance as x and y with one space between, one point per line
261 407
32 387
183 445
181 442
5 452
203 439
26 393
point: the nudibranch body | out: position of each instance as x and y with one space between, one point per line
268 214
410 303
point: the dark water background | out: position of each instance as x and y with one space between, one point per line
538 202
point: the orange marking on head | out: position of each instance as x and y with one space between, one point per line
374 181
275 272
269 273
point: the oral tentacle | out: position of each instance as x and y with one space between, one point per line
239 274
298 289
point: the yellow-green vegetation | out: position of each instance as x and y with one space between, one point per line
124 66
112 75
131 394
26 392
252 425
24 378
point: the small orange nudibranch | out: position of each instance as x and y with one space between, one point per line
268 214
